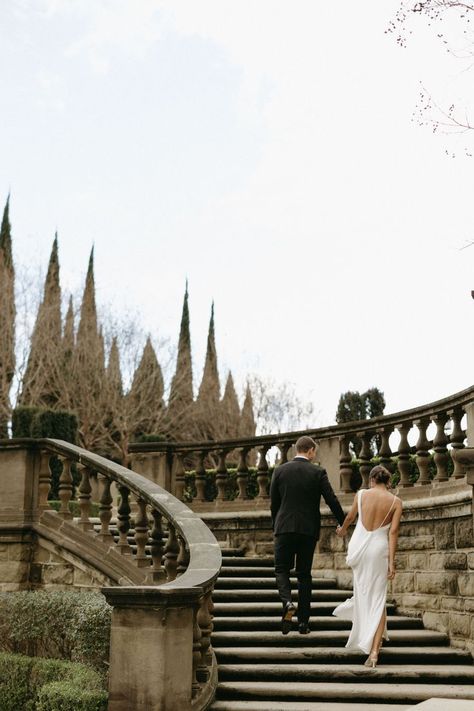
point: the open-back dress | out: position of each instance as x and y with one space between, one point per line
367 555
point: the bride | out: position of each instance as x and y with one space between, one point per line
371 555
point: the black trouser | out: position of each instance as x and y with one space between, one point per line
289 546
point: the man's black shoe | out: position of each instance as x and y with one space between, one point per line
303 628
288 612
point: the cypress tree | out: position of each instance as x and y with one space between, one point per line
208 400
230 411
181 392
7 319
247 418
114 373
145 405
41 384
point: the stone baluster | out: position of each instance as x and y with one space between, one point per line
105 510
221 475
440 442
171 553
263 478
242 474
180 481
157 546
423 452
404 455
197 634
85 499
345 468
123 521
182 560
457 440
385 453
141 534
365 455
284 448
65 488
204 619
200 479
44 481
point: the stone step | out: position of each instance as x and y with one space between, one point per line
323 622
232 552
247 562
322 638
353 673
242 595
309 655
268 583
301 706
248 572
340 692
273 609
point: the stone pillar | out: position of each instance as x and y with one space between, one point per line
18 509
154 466
470 424
327 456
151 648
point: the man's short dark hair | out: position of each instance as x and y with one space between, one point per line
304 444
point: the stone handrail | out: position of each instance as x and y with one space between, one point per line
179 559
369 437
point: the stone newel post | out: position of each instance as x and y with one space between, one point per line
151 648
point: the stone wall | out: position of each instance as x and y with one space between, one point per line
435 558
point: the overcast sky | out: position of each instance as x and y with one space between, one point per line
265 151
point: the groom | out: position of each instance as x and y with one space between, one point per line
295 494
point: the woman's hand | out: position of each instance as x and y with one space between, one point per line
391 571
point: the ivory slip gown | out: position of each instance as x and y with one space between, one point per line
367 554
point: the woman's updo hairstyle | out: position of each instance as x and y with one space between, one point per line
380 475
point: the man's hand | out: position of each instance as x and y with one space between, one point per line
340 532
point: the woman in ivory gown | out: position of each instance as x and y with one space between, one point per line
371 555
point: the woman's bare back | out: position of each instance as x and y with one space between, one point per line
377 507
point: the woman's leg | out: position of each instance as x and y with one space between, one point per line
378 635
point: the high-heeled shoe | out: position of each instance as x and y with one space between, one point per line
371 661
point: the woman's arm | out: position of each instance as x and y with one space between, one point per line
342 530
393 539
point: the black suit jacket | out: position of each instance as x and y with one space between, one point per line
295 494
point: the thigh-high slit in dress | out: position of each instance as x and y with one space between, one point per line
367 555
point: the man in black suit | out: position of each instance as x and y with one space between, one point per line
295 493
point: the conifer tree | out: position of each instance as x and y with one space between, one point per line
181 399
145 404
247 418
41 385
230 411
7 319
208 400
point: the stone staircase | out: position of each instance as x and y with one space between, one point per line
262 670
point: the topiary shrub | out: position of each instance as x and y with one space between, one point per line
36 684
22 417
63 624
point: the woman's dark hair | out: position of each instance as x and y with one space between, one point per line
380 475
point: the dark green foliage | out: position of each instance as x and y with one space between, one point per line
56 424
414 474
36 684
354 406
22 419
74 507
61 624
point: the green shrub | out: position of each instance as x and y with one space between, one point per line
30 684
62 624
151 438
74 507
22 418
232 488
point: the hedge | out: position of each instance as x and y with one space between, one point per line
36 684
62 624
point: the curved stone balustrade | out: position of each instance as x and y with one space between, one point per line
165 562
395 439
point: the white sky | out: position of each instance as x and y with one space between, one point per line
265 150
